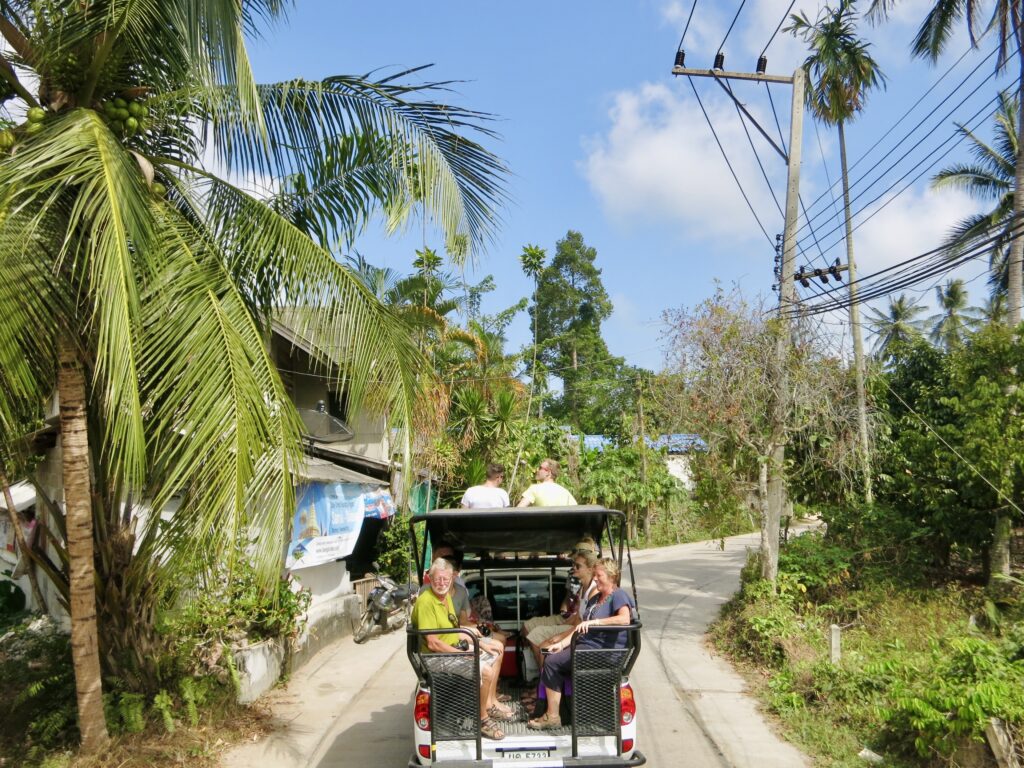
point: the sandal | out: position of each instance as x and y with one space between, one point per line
499 712
490 729
545 722
504 698
528 699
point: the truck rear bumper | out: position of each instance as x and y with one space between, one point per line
555 762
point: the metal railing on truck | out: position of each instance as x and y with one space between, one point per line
455 678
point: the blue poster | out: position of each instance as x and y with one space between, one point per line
328 518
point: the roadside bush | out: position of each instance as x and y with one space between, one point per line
950 700
231 610
37 691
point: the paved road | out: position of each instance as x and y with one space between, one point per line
339 713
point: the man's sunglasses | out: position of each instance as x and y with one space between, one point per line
454 621
577 566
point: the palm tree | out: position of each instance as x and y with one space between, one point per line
990 178
140 284
957 318
840 72
934 35
898 325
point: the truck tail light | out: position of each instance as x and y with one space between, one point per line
627 745
425 750
627 706
421 714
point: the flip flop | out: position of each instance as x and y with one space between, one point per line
490 729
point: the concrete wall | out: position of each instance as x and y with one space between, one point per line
333 610
679 467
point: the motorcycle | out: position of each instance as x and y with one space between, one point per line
388 606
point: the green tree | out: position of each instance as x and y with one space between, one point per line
840 72
934 35
948 479
989 178
898 324
147 282
957 318
569 306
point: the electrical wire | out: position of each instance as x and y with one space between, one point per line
878 179
781 22
957 138
728 163
729 30
906 114
687 27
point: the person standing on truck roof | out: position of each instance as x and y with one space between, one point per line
546 492
435 610
490 494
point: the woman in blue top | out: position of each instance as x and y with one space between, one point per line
608 606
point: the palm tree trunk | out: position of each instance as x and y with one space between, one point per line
999 559
85 655
858 340
23 547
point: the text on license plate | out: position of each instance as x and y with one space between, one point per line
526 754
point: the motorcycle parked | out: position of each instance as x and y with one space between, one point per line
388 606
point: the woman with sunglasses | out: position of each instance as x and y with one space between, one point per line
550 628
608 606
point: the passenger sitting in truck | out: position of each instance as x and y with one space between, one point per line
493 639
609 606
435 610
540 630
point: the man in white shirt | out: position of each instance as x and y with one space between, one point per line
490 494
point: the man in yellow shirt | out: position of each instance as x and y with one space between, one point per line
546 492
434 610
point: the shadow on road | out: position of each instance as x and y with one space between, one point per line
380 738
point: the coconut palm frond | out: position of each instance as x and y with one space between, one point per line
458 179
976 181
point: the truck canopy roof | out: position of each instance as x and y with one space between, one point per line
546 530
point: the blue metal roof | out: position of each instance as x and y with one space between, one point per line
675 443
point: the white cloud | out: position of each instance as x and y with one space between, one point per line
658 161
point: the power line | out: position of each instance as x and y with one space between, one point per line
978 116
781 22
908 153
729 31
687 27
906 114
726 158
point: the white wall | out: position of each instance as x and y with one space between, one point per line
679 467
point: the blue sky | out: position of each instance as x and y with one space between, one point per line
600 138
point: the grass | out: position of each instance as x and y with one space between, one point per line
892 688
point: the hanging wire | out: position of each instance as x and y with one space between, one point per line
726 158
729 31
687 27
781 22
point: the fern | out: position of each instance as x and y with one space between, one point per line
163 704
187 688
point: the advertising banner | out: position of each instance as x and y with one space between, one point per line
328 518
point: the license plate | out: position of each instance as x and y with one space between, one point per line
525 754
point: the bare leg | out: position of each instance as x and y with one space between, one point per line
554 701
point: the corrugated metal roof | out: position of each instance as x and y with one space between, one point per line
321 471
675 443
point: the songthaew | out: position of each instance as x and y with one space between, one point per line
475 708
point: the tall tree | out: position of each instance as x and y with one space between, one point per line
990 178
840 72
570 304
899 323
956 318
149 281
936 31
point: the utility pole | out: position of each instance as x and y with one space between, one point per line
787 291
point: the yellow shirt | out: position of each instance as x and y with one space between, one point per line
549 495
430 613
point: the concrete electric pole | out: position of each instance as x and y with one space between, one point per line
777 498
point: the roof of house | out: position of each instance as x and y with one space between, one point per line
675 443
